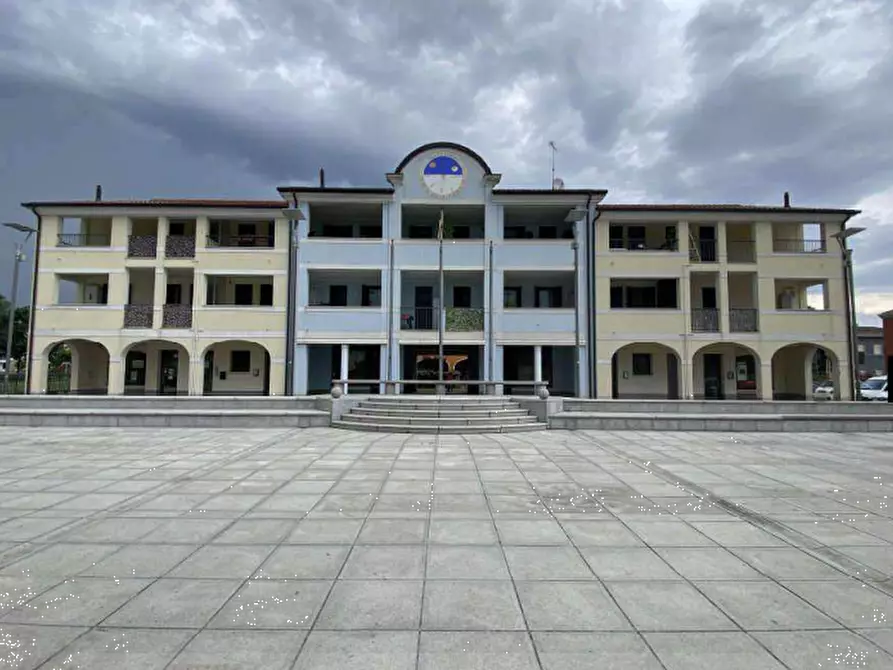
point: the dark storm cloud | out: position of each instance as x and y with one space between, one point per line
683 101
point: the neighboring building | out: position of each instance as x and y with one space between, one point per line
870 351
675 301
162 296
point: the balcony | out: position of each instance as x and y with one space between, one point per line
179 246
456 319
328 319
798 246
557 254
743 320
418 318
533 320
704 320
142 246
457 254
138 316
241 241
177 316
703 251
643 237
84 240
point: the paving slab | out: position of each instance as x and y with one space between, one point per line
275 548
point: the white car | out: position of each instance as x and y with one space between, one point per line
874 388
824 391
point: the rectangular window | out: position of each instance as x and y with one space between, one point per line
370 231
420 232
642 365
176 228
173 294
461 296
515 232
878 350
641 296
266 295
615 237
635 237
461 232
860 357
338 296
616 297
240 361
511 296
547 297
243 294
371 296
330 230
548 233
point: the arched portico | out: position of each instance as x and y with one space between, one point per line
727 371
646 370
796 368
76 366
156 367
236 367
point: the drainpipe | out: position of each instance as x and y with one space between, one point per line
390 309
291 309
30 344
490 319
576 314
590 279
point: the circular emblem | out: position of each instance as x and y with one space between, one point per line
443 176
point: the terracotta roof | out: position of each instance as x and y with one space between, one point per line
364 190
726 208
164 202
550 191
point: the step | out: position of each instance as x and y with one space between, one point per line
441 421
363 410
158 402
452 406
157 418
443 430
741 422
729 406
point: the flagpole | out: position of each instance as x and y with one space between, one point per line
441 311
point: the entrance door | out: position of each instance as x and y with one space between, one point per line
168 371
708 297
208 387
672 377
135 372
707 243
424 307
713 376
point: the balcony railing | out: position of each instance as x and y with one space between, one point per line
703 251
142 246
743 320
741 251
248 241
179 246
705 320
177 316
84 240
619 244
464 319
418 318
138 316
798 246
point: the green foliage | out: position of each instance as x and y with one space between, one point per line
20 332
463 319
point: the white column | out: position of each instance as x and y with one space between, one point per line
345 359
300 370
159 297
538 363
764 380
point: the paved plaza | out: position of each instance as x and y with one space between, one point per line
319 548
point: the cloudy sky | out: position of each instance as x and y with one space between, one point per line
675 101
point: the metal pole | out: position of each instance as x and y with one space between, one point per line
441 311
10 326
576 315
854 364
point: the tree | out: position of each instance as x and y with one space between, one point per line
20 330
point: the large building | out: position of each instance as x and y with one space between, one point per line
870 358
516 285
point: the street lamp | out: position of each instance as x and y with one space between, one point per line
10 326
847 255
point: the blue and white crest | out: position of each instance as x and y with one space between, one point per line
443 176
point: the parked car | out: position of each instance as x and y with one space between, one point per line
874 388
824 391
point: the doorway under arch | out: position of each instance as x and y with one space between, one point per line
797 368
236 367
645 370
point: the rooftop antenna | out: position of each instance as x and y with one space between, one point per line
554 151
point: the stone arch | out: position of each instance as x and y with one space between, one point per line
229 370
797 366
87 373
734 374
646 370
156 367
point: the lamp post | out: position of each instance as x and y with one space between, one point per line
847 256
10 326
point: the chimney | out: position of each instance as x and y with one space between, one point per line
322 178
787 200
98 192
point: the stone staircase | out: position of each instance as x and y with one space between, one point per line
437 414
162 411
730 415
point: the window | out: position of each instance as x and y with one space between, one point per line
173 295
461 296
370 231
616 297
878 350
511 296
240 361
371 296
461 232
548 233
615 237
338 296
860 357
330 230
642 365
515 232
244 294
246 230
641 296
420 232
635 237
176 228
266 295
547 297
